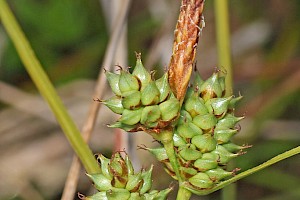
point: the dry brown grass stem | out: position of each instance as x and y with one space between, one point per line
188 29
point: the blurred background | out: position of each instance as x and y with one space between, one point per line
70 39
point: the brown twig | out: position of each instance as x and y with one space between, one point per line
72 180
188 28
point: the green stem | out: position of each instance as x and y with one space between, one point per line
167 140
183 193
224 60
223 42
46 88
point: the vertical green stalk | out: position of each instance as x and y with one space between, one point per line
46 88
223 41
224 61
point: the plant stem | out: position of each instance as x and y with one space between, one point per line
183 193
223 42
224 61
167 140
46 88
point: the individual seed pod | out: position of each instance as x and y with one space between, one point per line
211 88
205 143
187 172
163 194
113 80
123 126
224 155
184 117
97 196
101 183
205 164
104 164
169 109
159 153
233 102
218 106
229 121
198 81
128 82
134 182
201 181
117 194
147 177
195 105
224 135
131 99
129 165
210 156
188 152
178 140
233 148
117 165
151 195
163 87
188 130
205 122
131 117
141 73
218 174
150 94
135 196
114 104
150 114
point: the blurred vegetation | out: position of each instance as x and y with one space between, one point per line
70 38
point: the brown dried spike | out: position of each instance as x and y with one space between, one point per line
186 34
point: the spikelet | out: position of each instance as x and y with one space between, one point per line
202 136
118 181
143 103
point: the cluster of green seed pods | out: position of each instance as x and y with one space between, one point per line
202 136
143 103
119 182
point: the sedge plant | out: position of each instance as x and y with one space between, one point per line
193 124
